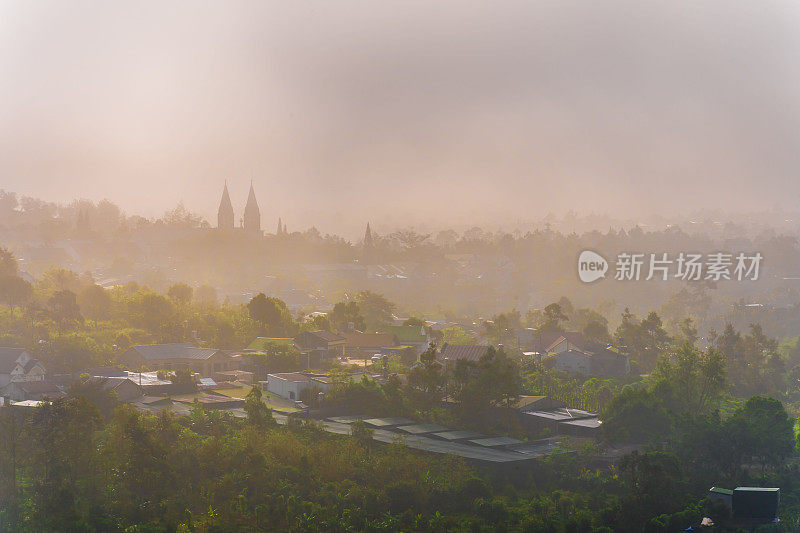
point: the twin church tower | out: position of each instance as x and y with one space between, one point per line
250 222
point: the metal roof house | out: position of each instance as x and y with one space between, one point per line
176 356
469 352
749 506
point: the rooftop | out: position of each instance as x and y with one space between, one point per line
388 422
369 340
174 351
458 435
419 429
468 352
496 441
295 377
38 387
562 414
327 336
584 422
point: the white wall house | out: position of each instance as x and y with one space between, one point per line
289 385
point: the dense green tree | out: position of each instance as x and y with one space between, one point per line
690 381
762 429
456 335
362 434
149 310
636 415
427 380
376 309
595 333
58 279
272 314
553 319
276 357
8 263
95 303
62 434
502 327
491 381
206 295
654 487
71 352
14 291
346 313
64 307
12 447
180 293
645 341
414 321
259 414
319 322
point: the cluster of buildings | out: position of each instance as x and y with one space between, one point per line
568 351
317 346
23 378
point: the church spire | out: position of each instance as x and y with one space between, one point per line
225 213
252 214
368 237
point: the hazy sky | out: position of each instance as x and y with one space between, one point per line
403 110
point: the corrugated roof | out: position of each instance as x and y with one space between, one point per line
584 422
469 352
496 441
174 351
388 422
110 382
565 413
459 435
419 429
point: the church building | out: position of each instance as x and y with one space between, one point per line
251 221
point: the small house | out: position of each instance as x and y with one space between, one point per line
16 364
18 391
289 385
321 344
123 387
176 356
363 345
